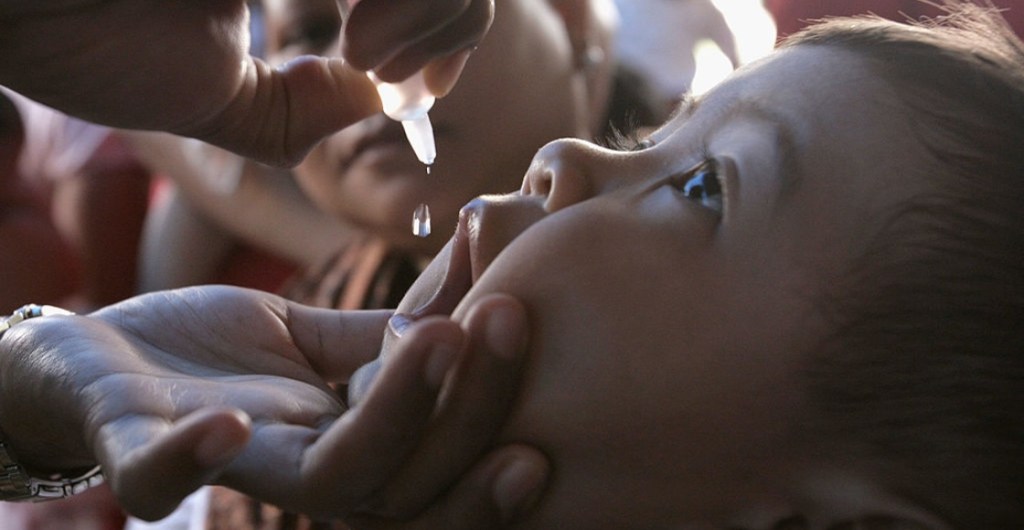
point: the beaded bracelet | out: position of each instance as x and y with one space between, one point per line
26 312
15 482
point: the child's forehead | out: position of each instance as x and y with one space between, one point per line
812 126
812 89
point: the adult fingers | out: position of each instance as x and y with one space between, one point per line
278 115
377 30
362 380
152 465
329 472
370 442
336 343
500 490
483 388
461 34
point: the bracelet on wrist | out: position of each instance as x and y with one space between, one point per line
15 482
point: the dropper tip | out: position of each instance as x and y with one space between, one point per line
421 136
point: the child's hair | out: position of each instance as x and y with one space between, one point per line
925 373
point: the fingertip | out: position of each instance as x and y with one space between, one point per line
442 74
504 325
228 432
153 479
501 302
519 482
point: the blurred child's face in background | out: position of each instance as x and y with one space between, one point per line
518 92
668 325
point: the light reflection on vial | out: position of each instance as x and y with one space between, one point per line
421 221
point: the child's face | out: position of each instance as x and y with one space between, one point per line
518 92
667 331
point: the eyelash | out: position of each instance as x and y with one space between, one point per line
627 141
683 183
708 193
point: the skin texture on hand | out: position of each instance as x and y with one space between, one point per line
181 67
397 38
227 385
184 67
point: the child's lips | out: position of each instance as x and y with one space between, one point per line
486 226
453 285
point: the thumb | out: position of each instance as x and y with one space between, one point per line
279 114
168 464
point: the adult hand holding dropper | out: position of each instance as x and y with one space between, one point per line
185 68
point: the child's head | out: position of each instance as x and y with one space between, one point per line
522 88
796 305
924 369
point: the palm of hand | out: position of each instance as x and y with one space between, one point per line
183 351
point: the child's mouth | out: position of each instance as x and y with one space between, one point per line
455 281
486 226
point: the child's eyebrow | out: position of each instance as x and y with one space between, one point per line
685 109
682 112
785 139
788 163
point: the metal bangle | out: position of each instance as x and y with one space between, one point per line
15 482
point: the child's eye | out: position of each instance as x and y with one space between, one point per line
641 145
702 184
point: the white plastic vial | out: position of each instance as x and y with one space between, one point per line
409 102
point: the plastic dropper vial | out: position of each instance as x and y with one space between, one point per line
409 102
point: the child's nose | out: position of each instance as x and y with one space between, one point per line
562 172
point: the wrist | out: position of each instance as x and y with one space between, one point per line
17 484
19 481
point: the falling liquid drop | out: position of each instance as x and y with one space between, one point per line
421 221
428 169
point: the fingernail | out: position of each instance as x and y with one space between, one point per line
517 488
398 323
504 330
441 357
